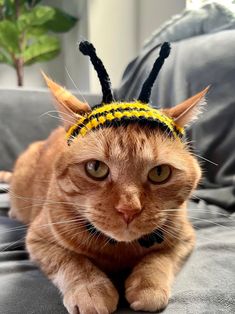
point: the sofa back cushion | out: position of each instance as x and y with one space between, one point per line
25 118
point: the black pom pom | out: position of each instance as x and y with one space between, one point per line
165 50
86 48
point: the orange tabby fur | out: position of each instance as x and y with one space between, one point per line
51 191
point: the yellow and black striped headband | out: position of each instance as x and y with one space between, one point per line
113 114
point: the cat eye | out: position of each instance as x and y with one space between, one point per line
159 174
96 169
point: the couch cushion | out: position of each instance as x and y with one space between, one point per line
24 118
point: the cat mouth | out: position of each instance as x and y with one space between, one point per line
147 240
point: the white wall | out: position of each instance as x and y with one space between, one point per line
112 29
116 27
74 62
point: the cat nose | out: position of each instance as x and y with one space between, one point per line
128 214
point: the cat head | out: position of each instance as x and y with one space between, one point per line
126 177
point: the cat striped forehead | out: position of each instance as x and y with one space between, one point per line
124 113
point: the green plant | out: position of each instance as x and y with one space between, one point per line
26 33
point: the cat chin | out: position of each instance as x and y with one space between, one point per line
125 236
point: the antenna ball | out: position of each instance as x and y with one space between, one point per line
86 48
165 50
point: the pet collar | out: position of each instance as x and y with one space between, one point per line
113 114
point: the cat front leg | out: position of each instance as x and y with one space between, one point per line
85 288
92 291
148 287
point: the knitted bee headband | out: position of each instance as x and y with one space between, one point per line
112 113
79 118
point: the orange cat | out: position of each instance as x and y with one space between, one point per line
111 201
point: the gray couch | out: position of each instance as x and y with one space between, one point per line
202 54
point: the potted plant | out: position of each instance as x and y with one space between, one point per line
27 33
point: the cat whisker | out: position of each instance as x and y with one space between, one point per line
56 112
172 234
198 210
176 235
209 221
205 159
59 118
19 228
12 244
74 84
201 219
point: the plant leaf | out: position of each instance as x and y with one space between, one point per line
5 57
61 22
9 36
43 58
35 31
43 49
38 16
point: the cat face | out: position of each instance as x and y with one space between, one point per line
124 181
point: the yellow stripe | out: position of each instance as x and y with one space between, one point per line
132 105
120 105
109 117
74 127
150 113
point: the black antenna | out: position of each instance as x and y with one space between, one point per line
89 50
148 84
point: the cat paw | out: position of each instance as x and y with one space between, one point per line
91 299
146 297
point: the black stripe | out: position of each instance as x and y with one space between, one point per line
124 121
97 115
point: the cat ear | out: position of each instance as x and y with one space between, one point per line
67 105
188 111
